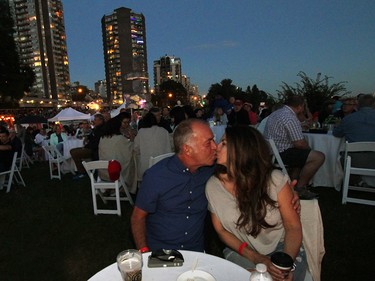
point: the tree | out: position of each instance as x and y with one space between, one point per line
316 92
225 89
170 92
14 78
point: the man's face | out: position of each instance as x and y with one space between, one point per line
202 145
97 122
4 138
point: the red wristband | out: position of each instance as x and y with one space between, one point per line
242 246
144 249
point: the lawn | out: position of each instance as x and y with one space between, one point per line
48 232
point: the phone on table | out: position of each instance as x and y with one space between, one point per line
165 258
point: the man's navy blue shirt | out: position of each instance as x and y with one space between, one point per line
176 204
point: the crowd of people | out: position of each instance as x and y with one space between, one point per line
252 204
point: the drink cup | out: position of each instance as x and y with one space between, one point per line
282 261
129 263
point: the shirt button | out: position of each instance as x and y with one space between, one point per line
191 192
188 207
187 217
186 233
182 246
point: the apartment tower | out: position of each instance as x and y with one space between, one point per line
41 42
166 68
125 54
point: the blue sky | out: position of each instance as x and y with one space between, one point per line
262 42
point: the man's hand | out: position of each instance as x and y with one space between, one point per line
295 201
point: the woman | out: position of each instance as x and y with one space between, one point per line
114 146
57 139
250 204
125 129
151 140
220 116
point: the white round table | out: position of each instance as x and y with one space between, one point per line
221 269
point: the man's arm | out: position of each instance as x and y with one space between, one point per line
138 224
5 147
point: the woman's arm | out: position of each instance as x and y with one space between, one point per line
291 221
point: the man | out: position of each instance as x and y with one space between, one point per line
238 116
91 148
285 129
171 205
15 142
360 126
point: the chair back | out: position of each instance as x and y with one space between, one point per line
276 158
351 168
10 173
156 159
99 187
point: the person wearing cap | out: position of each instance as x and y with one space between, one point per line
238 116
253 117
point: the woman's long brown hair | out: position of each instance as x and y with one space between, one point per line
249 166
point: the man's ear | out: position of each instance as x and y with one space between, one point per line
186 149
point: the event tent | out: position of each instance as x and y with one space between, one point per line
69 114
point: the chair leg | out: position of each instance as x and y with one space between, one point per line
117 190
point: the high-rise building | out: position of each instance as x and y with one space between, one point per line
41 41
125 54
166 68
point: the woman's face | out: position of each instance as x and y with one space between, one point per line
125 123
222 151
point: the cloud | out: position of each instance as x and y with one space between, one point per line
222 44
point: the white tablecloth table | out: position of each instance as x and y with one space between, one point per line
330 173
218 131
221 269
68 145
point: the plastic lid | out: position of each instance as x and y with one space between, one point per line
261 267
282 259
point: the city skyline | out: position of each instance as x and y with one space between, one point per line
251 42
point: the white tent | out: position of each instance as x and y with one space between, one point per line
69 114
116 111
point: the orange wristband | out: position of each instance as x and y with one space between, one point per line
242 246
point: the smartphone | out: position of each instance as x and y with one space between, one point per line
165 258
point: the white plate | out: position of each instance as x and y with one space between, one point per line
196 275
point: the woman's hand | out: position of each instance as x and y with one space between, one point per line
277 274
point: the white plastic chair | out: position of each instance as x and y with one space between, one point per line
24 160
56 159
99 186
276 158
349 169
156 159
8 175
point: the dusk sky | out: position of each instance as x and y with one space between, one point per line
262 42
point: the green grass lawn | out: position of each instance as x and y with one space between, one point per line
48 231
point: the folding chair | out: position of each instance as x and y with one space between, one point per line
99 186
156 159
23 160
350 169
10 173
56 159
276 158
